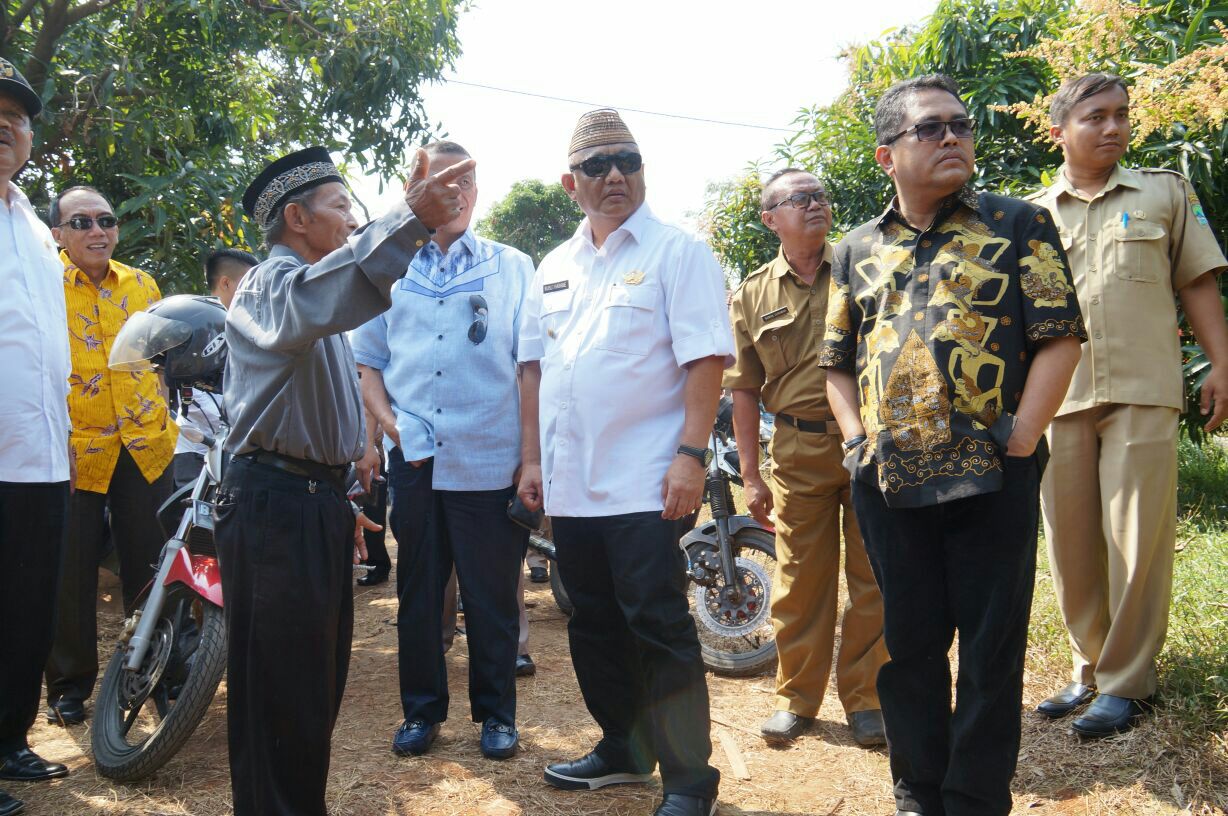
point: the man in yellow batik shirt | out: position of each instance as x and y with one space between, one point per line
122 437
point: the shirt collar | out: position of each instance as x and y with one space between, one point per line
283 251
116 271
16 198
1120 177
779 266
965 196
635 226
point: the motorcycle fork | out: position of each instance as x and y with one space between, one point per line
720 499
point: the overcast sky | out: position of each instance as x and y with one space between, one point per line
753 63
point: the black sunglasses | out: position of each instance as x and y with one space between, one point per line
933 131
598 166
801 201
81 223
477 330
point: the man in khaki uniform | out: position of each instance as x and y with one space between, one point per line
777 315
1135 238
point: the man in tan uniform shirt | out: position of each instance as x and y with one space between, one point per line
1135 239
778 319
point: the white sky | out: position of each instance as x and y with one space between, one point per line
757 63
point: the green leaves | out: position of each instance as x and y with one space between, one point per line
533 217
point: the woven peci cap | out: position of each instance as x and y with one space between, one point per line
599 127
290 174
13 82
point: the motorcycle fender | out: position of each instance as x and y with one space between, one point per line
199 572
707 535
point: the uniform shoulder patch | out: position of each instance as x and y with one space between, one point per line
1036 196
1170 172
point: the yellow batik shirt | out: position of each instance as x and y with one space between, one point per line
939 328
112 408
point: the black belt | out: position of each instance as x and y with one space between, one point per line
334 475
823 426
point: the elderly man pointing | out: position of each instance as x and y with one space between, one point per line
285 531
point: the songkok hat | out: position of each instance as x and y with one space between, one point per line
13 82
599 127
296 173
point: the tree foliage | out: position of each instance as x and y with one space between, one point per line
170 108
533 217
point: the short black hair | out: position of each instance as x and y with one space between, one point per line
54 214
219 259
1074 91
443 146
890 111
765 196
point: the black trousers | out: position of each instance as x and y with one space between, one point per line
968 566
376 509
435 531
286 548
186 468
634 646
73 665
33 521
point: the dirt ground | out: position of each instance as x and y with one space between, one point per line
823 774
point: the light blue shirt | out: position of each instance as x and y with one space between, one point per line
454 400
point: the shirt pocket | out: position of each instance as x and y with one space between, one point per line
1140 251
556 306
627 320
775 345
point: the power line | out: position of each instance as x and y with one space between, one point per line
620 107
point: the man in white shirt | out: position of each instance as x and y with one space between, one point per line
35 463
623 340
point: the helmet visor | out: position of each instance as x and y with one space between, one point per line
143 337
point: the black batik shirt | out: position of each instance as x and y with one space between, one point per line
939 328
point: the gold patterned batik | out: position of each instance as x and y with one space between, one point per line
1045 280
915 406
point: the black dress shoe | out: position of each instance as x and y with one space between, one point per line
1066 700
1108 715
676 804
10 806
525 667
867 727
66 712
27 766
539 575
784 726
373 578
908 813
590 772
499 740
414 738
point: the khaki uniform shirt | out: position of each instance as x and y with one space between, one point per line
777 328
1131 248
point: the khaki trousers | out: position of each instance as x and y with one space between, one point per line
810 488
1109 499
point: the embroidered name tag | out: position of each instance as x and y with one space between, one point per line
557 286
783 310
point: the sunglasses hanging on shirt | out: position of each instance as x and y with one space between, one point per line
477 330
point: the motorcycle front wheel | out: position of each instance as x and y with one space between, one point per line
736 637
142 718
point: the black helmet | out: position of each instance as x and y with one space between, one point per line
183 336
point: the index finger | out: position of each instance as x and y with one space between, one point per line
450 174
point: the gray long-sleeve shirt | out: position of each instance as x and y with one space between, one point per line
291 381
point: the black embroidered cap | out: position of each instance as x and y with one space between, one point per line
12 81
295 173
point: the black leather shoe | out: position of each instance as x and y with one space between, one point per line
784 726
1108 715
373 578
868 727
66 712
525 667
499 740
675 804
908 813
539 575
414 738
27 766
10 806
590 772
1066 700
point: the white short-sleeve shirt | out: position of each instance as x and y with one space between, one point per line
613 328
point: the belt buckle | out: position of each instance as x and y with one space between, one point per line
312 484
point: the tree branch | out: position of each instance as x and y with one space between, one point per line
22 13
84 10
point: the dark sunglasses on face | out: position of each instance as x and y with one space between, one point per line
599 166
81 223
934 131
477 330
801 201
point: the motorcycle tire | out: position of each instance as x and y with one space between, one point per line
718 656
559 592
115 755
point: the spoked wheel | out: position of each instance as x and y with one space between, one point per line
143 717
735 633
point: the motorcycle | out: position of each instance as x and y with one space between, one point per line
730 562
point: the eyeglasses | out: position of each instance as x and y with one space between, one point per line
477 331
933 131
81 223
801 201
599 166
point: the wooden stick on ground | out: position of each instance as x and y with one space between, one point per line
736 760
735 727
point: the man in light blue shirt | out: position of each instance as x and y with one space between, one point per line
439 376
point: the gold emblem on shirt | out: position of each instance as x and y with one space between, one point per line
633 278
